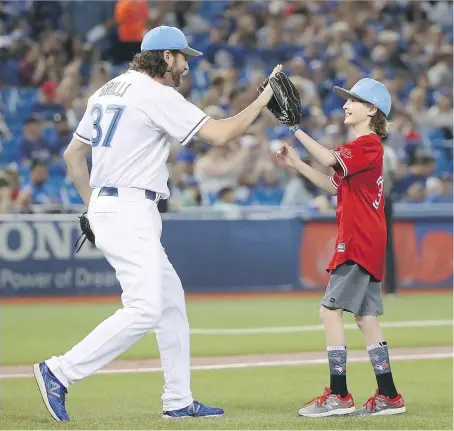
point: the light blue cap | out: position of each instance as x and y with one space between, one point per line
165 37
368 90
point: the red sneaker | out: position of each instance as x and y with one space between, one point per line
380 405
328 404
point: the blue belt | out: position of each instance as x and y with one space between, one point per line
113 192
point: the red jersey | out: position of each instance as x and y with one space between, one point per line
360 214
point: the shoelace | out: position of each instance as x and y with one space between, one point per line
196 407
320 399
371 403
63 399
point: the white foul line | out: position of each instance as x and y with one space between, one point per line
301 362
316 328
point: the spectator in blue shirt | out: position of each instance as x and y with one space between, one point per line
60 139
33 146
267 191
9 66
63 134
412 187
439 190
39 191
226 200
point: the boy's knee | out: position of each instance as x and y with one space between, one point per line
359 321
322 313
364 322
326 313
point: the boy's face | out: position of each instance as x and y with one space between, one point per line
356 112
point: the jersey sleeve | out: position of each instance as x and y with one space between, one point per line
178 117
336 179
85 128
358 155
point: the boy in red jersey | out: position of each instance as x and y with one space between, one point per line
357 265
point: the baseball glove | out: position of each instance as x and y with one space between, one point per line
87 233
285 104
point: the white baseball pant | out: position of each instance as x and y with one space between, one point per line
128 231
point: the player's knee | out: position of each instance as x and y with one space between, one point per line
150 314
151 319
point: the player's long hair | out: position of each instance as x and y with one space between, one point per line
150 62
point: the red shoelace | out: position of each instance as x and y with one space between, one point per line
371 403
320 399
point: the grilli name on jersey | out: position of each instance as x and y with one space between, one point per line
115 88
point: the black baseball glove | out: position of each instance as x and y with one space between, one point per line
87 233
285 104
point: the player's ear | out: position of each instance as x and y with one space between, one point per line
167 55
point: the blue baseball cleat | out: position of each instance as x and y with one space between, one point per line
52 391
195 410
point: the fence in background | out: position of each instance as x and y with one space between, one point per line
215 252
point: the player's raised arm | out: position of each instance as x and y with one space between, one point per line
164 57
219 132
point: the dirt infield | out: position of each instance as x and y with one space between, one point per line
122 366
106 299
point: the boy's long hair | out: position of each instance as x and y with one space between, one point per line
379 124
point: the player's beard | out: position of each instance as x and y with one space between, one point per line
176 77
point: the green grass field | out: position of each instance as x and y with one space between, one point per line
254 398
53 329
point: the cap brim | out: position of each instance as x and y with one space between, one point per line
190 52
345 94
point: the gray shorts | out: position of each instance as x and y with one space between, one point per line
353 289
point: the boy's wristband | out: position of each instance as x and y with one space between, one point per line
293 129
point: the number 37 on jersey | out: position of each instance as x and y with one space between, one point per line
105 122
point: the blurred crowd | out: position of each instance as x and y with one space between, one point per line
54 55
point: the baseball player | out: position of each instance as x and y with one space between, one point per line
358 263
127 125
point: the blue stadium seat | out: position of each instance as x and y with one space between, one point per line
57 170
211 10
10 149
24 174
29 94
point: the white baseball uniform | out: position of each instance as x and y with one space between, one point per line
128 123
